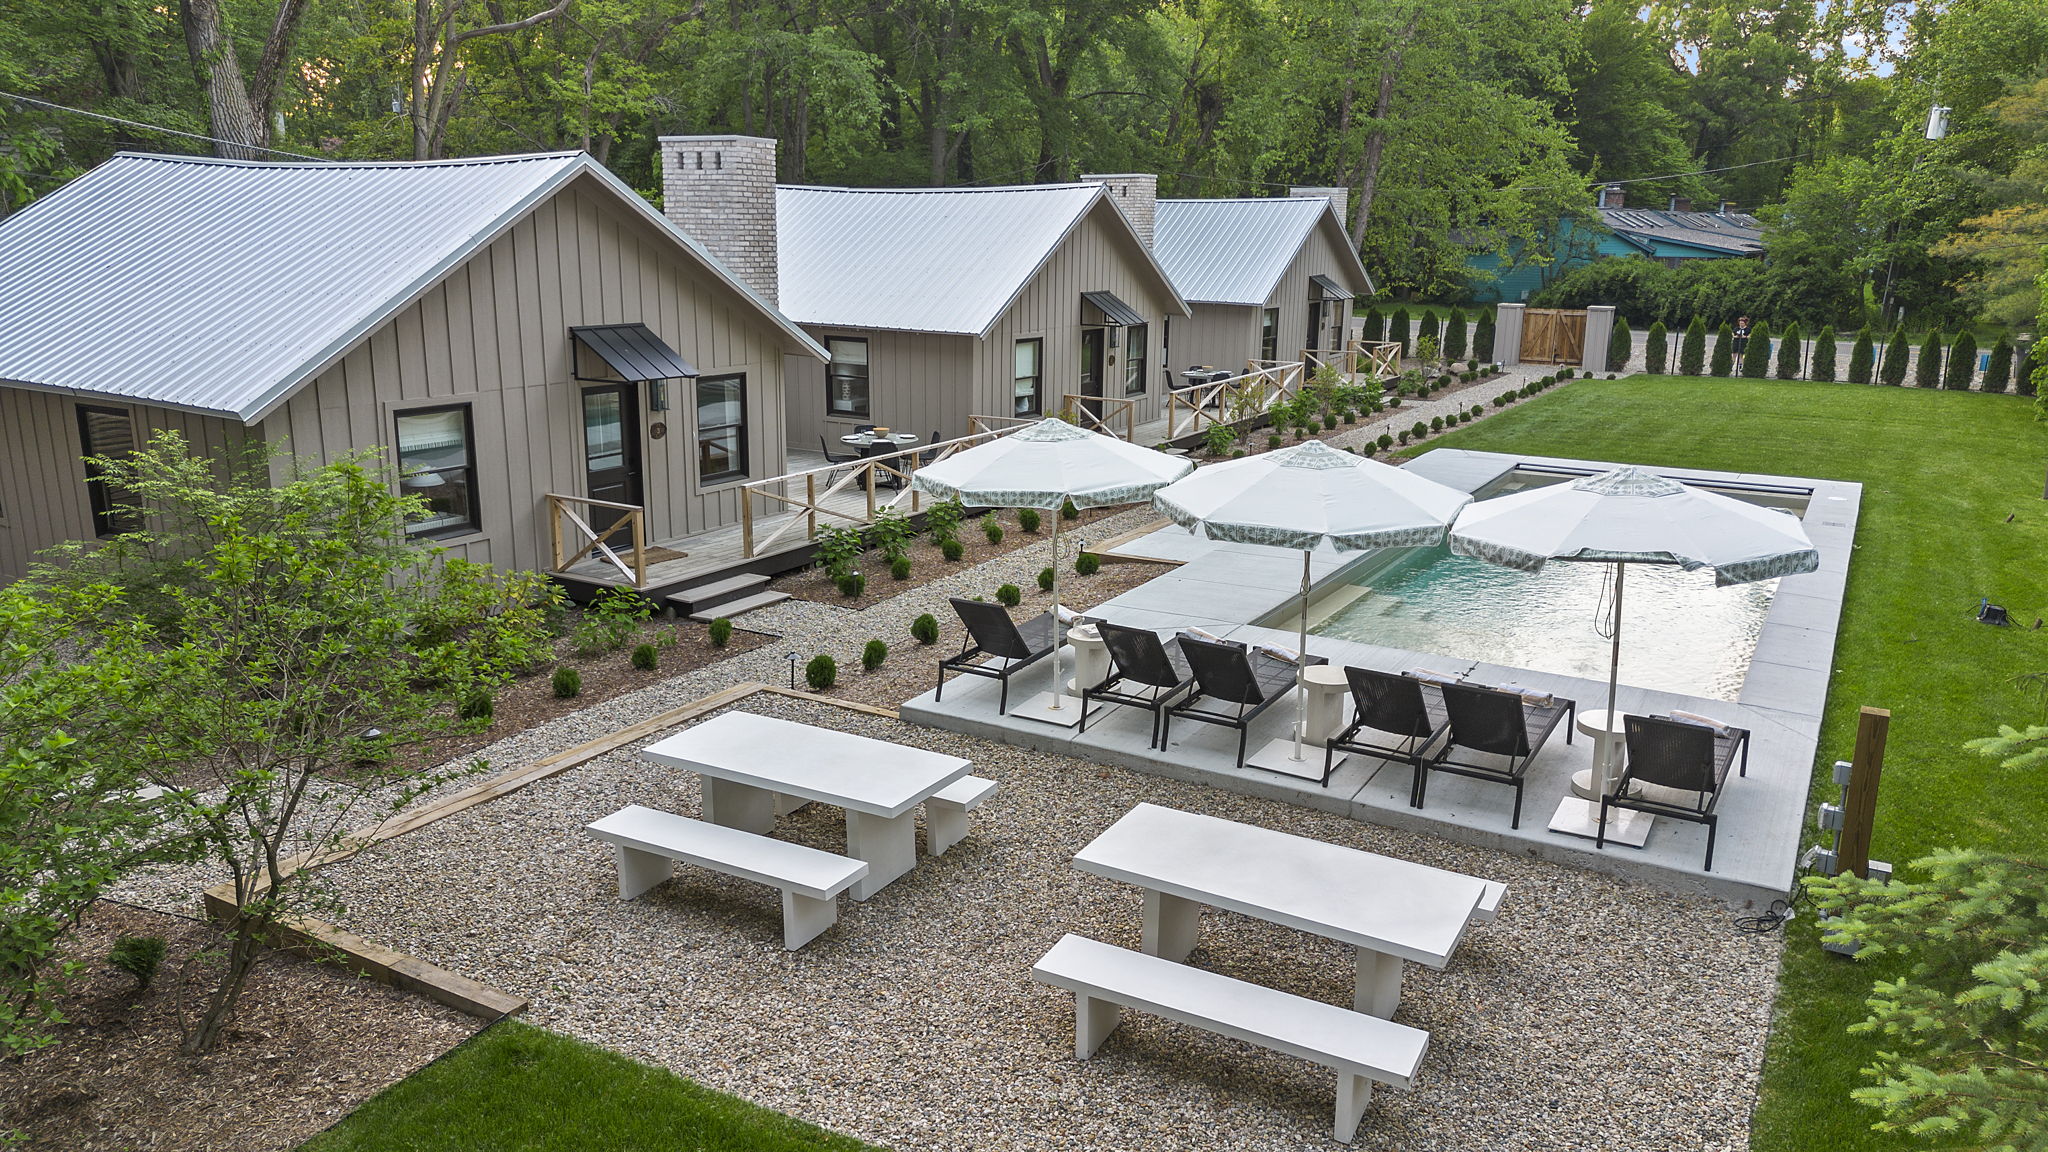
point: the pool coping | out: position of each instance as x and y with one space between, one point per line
1222 587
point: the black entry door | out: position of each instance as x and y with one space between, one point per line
1315 324
611 450
1092 367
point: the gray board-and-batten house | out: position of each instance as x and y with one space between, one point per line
504 328
934 304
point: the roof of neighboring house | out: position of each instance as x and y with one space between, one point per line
1733 234
222 286
925 259
1236 251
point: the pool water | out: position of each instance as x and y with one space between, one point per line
1679 632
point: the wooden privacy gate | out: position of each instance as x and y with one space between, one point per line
1553 335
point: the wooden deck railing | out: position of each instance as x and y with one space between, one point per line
1379 359
1265 382
594 540
1101 414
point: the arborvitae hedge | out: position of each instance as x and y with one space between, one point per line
1656 350
1998 375
1863 357
1962 362
1482 339
1397 329
1620 346
1896 354
1692 354
1927 369
1756 355
1375 326
1723 363
1821 365
1789 344
1457 335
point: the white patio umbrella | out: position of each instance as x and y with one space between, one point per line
1044 466
1306 496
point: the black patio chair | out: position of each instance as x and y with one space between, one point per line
1009 647
1393 705
1143 673
1232 686
1500 723
1675 769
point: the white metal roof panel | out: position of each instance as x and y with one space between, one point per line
219 286
917 259
1232 251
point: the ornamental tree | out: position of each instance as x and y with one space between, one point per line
1862 357
1656 349
1692 354
1723 363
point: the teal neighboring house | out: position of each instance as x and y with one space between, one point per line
1672 234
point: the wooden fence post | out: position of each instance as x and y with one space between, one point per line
1866 765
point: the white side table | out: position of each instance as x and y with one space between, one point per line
1581 817
1091 657
1327 691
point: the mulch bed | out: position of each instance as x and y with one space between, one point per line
310 1043
927 563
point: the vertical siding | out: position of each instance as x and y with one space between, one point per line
918 382
1220 335
1318 256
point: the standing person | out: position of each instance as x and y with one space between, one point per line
1741 335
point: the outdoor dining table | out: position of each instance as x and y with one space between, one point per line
745 761
871 445
1389 910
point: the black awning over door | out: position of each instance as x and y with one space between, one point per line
1330 289
633 351
1114 312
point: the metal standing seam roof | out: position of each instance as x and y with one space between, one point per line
634 352
1236 251
920 259
221 286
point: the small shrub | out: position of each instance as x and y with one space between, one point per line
1272 441
853 584
1069 512
942 520
838 550
1237 453
1419 430
1218 440
1472 365
567 683
1394 401
645 658
992 528
1350 417
821 673
1027 520
1087 563
872 654
1436 423
1009 595
1330 423
891 533
1045 579
1477 410
476 705
925 629
1402 438
1500 401
952 550
1546 381
899 568
1304 432
721 632
138 956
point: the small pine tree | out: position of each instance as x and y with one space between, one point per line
1375 326
1620 345
1397 329
1896 355
1998 374
1862 357
1789 343
1927 369
1723 363
1962 362
1457 335
1692 353
1656 349
1756 355
1482 339
1821 365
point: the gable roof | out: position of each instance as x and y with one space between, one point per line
925 259
222 286
1236 251
1733 234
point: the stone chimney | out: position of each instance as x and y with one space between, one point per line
721 190
1611 196
1680 204
1339 197
1137 193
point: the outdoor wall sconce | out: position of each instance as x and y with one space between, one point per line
657 395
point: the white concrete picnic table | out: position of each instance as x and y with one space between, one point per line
1389 910
745 761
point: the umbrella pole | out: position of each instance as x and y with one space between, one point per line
1301 664
1058 689
1614 663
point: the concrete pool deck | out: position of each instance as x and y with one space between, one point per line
1222 587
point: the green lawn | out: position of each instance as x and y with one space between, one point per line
1942 472
517 1088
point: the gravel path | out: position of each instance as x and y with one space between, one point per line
915 1024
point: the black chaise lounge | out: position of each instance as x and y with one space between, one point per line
1143 673
991 633
1499 723
1387 705
1232 686
1675 768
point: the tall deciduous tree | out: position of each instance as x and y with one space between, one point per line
439 35
240 108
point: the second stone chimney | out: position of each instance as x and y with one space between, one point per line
1340 198
721 190
1137 193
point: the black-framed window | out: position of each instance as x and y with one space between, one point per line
1269 334
437 463
1134 359
722 427
1029 375
846 378
106 432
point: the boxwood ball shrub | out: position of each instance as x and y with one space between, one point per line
992 529
1419 430
1402 437
925 629
952 550
1045 579
1069 512
1272 442
1436 423
1087 564
822 672
899 568
1009 595
1027 520
721 632
567 682
1476 411
478 705
645 658
872 654
853 584
1385 441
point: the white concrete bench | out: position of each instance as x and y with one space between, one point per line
945 814
647 841
1362 1048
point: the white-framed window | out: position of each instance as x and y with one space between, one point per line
1135 338
1269 334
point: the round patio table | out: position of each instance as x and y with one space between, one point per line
872 445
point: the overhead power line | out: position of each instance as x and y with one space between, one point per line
158 128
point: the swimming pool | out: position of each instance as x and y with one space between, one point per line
1679 632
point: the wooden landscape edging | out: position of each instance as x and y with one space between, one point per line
317 938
